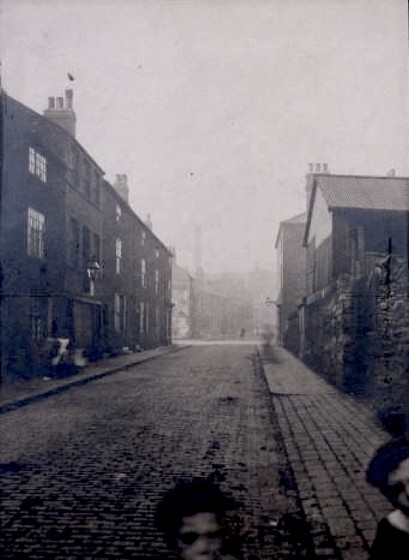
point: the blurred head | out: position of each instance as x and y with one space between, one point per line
199 536
191 517
389 471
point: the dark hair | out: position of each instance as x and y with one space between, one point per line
386 460
187 498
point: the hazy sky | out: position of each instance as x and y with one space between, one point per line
215 108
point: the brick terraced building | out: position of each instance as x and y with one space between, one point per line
76 261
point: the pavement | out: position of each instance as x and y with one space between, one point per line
329 439
20 393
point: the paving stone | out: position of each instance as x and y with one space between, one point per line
335 436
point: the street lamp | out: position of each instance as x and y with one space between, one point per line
93 268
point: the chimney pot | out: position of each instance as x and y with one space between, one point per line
325 167
69 95
311 167
121 186
318 168
64 117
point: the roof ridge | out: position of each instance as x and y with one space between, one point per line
326 175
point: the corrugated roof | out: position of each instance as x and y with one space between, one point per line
369 193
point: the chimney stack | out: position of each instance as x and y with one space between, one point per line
391 173
69 95
121 186
313 168
62 115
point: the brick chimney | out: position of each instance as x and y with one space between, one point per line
60 110
313 168
148 221
121 186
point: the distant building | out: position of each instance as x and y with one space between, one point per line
220 317
291 279
183 302
253 288
76 261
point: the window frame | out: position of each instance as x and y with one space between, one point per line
37 164
143 273
35 233
118 255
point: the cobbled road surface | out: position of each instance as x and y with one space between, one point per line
82 472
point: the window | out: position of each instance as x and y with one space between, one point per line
119 312
76 168
74 243
87 179
37 164
147 322
143 273
96 247
157 323
32 160
142 318
156 281
157 253
118 213
118 256
86 245
95 189
35 234
143 237
117 316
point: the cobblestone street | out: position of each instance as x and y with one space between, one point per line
82 471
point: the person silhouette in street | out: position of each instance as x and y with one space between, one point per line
389 472
192 517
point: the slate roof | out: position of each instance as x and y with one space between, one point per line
367 193
362 192
298 219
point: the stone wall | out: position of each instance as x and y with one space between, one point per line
357 334
388 355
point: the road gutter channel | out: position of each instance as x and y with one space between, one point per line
20 402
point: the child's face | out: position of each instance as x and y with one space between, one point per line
199 537
398 482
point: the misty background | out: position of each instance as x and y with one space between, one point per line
215 108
